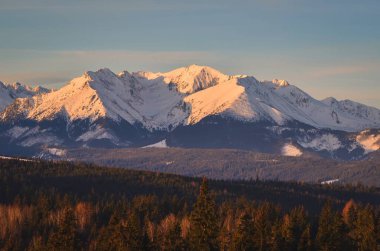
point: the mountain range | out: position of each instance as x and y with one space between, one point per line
191 107
8 93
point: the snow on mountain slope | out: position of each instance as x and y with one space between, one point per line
247 99
322 115
103 94
8 93
5 97
239 98
367 115
77 100
215 100
138 100
161 106
18 90
96 133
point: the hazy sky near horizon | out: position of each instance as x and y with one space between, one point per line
325 47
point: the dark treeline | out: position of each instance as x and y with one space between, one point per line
75 206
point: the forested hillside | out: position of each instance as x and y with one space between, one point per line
236 164
75 206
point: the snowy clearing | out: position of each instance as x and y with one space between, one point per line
290 150
329 182
161 144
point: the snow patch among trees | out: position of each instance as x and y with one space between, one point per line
17 131
97 133
370 143
329 182
327 142
56 151
291 150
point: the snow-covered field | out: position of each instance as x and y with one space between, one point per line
160 144
15 158
329 182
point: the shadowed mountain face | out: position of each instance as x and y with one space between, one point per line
194 106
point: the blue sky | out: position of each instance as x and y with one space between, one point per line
325 47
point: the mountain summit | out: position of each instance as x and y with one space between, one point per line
190 79
127 108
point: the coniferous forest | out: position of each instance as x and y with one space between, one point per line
74 206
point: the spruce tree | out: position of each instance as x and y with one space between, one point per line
112 237
288 233
331 233
204 230
348 213
276 242
169 234
265 217
305 242
132 233
120 234
226 231
243 237
378 230
293 226
36 244
364 227
66 236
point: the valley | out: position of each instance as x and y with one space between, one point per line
230 164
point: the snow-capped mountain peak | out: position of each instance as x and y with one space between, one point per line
193 78
280 82
329 101
101 74
124 74
5 97
19 90
189 79
10 92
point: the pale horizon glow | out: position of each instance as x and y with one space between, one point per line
312 45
